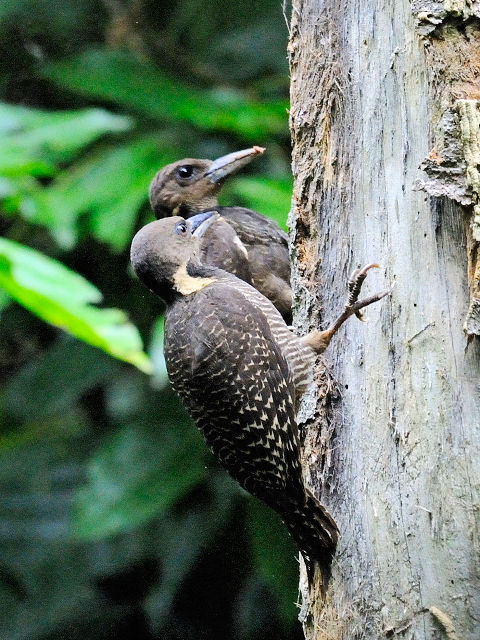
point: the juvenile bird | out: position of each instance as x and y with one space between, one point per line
242 241
240 372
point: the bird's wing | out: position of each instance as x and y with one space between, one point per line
238 388
253 227
221 247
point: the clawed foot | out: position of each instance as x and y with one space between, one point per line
354 287
319 340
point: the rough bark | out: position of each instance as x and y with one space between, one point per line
384 120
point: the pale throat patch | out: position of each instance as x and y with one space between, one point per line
187 284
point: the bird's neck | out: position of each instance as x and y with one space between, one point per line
192 277
189 209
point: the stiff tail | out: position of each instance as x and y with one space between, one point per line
315 534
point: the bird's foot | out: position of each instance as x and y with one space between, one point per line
355 283
319 340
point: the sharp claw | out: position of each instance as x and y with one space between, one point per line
319 340
363 270
355 284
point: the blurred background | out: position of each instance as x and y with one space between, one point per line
115 521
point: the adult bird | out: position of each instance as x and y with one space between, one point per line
240 372
242 241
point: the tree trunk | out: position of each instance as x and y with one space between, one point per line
385 128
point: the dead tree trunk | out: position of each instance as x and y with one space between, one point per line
385 127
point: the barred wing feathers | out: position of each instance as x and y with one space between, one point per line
238 388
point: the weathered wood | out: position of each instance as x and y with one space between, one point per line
394 448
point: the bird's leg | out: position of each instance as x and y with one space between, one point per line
319 340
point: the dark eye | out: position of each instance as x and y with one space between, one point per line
185 171
180 228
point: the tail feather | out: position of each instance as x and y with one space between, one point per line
315 534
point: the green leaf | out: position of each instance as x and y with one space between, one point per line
16 118
137 474
274 554
61 297
121 78
272 197
111 184
34 141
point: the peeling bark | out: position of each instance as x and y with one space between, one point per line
392 447
430 13
452 169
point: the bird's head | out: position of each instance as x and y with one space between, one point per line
189 185
165 255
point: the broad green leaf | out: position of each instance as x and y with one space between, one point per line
62 298
15 118
271 197
274 553
47 277
12 187
123 79
110 184
139 473
34 142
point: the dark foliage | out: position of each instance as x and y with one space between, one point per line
115 520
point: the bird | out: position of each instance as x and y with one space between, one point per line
241 372
242 241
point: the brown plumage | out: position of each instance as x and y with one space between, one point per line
242 241
240 372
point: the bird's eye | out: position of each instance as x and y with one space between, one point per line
185 171
181 228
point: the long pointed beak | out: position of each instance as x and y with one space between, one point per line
201 222
232 162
